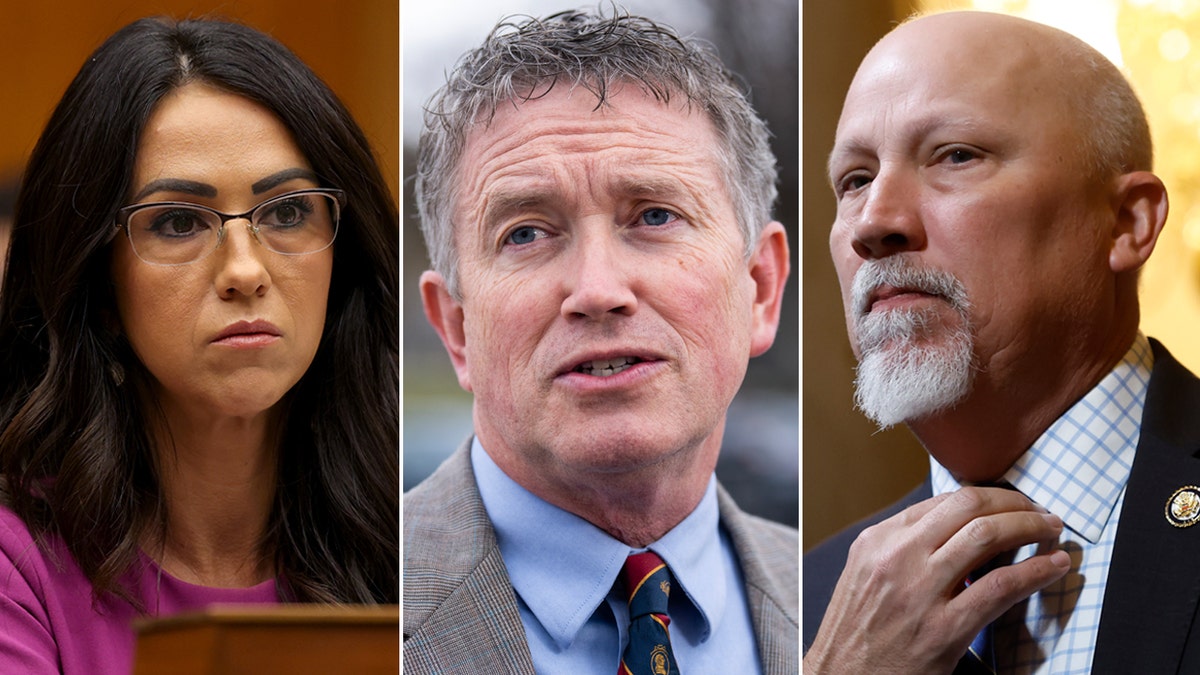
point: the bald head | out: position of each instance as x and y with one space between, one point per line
1031 66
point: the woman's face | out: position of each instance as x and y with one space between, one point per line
229 334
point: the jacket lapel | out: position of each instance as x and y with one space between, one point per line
460 613
1153 585
768 554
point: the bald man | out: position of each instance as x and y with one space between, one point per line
995 203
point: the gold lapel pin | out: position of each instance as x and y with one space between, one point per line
1183 508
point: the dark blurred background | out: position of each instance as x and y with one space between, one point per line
758 39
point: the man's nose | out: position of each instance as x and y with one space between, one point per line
890 219
598 278
241 268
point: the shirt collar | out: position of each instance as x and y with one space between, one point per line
1079 466
563 567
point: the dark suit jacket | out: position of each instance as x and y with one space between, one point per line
1148 624
460 612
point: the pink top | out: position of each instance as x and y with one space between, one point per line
50 624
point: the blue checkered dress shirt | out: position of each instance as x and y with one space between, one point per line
1077 469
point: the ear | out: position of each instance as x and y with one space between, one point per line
1140 200
769 267
445 314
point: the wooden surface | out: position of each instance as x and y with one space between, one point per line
265 640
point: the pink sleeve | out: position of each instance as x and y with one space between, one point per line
27 643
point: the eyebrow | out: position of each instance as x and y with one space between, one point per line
199 189
663 188
505 204
912 134
847 150
190 187
284 176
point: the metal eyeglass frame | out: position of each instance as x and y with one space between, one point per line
126 212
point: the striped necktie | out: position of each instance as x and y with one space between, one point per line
647 588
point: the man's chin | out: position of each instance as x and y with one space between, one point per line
886 418
909 383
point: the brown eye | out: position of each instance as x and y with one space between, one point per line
960 156
290 212
177 223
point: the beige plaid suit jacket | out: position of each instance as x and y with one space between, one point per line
460 614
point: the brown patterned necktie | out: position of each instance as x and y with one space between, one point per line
647 589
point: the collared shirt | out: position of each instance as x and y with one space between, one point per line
1077 470
563 570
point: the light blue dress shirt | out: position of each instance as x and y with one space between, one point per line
563 570
1078 470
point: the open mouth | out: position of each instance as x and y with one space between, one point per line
607 367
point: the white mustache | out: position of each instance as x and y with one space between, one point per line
897 271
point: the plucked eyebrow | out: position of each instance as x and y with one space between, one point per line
190 187
199 189
284 176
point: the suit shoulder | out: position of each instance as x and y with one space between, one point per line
772 536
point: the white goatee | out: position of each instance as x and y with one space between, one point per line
911 364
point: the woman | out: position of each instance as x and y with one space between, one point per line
198 350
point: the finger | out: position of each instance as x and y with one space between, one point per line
995 592
896 534
917 511
952 514
916 533
986 537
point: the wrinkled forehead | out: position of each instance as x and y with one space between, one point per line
573 120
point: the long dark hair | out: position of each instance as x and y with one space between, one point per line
75 454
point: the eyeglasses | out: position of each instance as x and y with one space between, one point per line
179 233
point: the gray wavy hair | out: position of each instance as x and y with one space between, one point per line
523 61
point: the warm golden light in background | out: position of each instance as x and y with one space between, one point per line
1153 42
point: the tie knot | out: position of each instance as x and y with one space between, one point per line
647 584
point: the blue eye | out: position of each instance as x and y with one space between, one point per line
958 154
524 235
657 217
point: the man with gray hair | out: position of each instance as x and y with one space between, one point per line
995 203
596 193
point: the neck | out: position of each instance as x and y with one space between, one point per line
217 478
983 436
637 505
